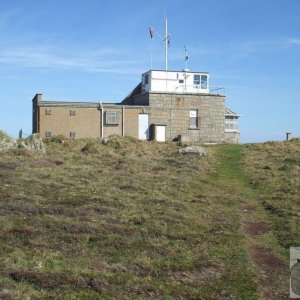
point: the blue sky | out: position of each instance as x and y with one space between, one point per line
96 49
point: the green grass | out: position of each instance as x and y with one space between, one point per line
259 245
275 169
128 220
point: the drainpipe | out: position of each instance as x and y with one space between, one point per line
123 115
171 112
101 106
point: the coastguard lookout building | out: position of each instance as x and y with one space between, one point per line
164 106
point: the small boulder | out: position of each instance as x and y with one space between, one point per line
192 150
35 143
7 142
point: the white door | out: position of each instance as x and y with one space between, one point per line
161 133
144 127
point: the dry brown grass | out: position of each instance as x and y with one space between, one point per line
128 220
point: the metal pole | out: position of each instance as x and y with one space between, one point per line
166 44
151 56
102 114
123 121
186 58
185 70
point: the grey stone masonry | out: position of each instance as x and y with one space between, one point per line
232 137
173 110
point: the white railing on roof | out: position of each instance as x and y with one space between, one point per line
197 89
217 90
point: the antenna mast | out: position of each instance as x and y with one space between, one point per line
165 39
186 58
167 42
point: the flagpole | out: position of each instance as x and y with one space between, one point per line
151 31
186 66
151 56
166 44
186 58
165 39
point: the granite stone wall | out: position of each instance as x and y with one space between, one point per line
232 137
173 110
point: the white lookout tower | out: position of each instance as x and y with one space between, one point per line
175 82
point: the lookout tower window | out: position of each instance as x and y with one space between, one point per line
200 81
196 81
203 82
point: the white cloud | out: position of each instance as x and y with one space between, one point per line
101 60
248 48
124 60
295 41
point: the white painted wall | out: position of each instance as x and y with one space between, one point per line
175 82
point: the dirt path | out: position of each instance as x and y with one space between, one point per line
260 242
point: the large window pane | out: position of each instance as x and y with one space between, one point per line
204 82
196 80
231 123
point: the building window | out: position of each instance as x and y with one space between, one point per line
196 81
181 81
72 112
231 123
48 134
146 79
72 135
112 117
48 112
200 81
193 118
203 82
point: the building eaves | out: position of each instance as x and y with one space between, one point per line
181 71
120 105
68 104
229 112
184 94
86 104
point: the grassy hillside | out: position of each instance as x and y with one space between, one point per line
275 173
136 220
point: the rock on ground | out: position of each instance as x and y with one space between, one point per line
196 150
32 143
35 143
7 142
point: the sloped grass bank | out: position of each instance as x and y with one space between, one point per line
125 220
260 242
275 171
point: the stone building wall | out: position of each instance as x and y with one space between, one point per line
173 110
169 109
232 137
